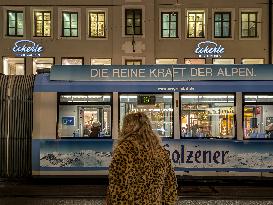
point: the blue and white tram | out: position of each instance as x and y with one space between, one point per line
214 119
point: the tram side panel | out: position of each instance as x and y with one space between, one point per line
75 156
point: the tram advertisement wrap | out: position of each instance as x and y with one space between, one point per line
186 155
161 72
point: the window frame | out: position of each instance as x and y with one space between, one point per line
7 57
82 103
244 103
82 58
38 63
209 93
134 10
195 11
91 59
133 61
222 21
170 13
43 26
148 93
173 59
16 12
97 12
215 59
185 59
248 22
70 29
252 59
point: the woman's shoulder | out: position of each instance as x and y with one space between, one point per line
125 145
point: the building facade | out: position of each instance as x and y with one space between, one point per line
38 34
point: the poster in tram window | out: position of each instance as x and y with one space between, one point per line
68 120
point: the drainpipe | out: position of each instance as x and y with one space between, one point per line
270 32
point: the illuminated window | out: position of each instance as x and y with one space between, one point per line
101 61
133 24
72 61
97 24
207 115
196 24
133 62
249 24
222 24
166 61
195 61
258 116
42 63
169 25
223 61
15 23
158 108
70 24
253 61
14 66
42 23
87 115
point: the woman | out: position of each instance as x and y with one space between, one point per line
95 129
141 171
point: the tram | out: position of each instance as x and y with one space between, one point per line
215 120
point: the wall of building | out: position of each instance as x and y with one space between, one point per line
150 45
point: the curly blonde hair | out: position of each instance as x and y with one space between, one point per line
137 128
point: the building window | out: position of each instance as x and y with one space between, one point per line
133 22
166 61
97 24
42 23
85 115
101 61
15 25
72 61
223 61
195 61
14 66
158 108
196 24
253 61
258 116
70 24
42 63
207 115
133 62
222 25
169 25
249 24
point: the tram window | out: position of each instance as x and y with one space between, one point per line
158 107
207 116
258 116
84 116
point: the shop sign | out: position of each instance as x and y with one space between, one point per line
26 48
209 49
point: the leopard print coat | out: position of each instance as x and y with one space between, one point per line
139 179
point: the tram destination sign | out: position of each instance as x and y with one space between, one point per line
162 72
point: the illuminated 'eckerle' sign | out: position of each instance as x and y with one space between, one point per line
27 48
209 49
